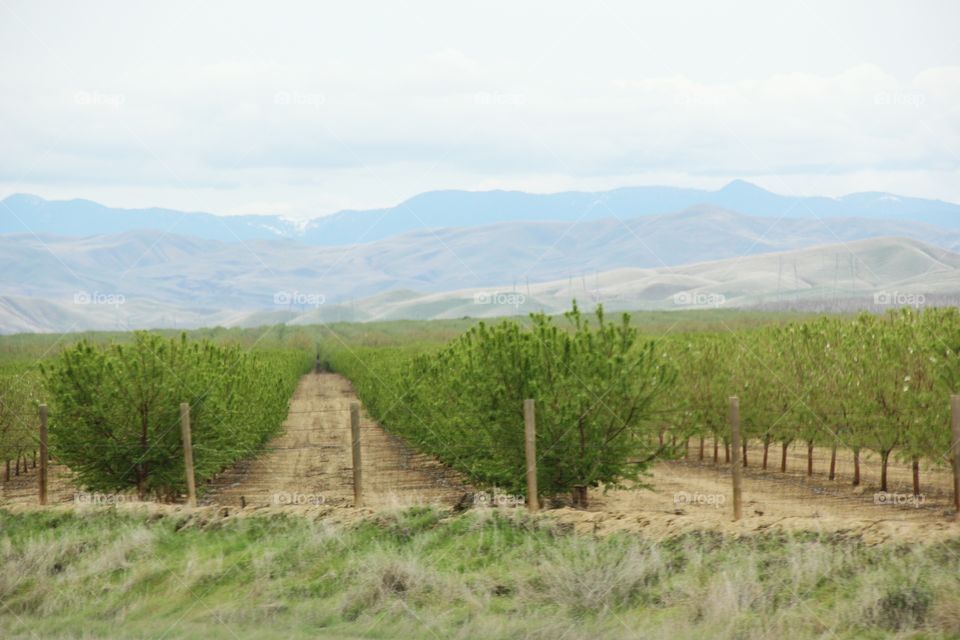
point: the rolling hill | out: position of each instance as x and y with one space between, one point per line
147 279
876 273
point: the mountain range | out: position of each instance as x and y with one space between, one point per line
895 271
131 275
22 213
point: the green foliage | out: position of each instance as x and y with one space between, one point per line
866 382
19 389
115 414
595 389
878 382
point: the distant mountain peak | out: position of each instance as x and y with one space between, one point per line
26 199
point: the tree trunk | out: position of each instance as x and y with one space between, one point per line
661 439
783 458
34 459
856 467
916 476
744 453
766 450
809 457
701 448
686 448
6 472
833 461
16 468
726 452
141 467
579 495
716 450
884 459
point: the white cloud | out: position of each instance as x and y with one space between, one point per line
251 108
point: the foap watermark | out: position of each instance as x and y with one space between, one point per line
299 99
98 297
288 499
899 499
497 499
899 299
509 298
298 299
899 99
100 499
715 500
97 99
698 299
610 296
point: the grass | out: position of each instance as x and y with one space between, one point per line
422 573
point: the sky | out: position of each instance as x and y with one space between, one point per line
305 108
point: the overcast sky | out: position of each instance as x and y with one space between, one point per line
305 108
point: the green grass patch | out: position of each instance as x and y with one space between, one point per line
424 573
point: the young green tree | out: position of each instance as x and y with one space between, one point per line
596 387
115 419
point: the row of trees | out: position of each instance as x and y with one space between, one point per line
609 402
19 391
595 383
879 383
114 414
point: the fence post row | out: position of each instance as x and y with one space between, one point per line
188 453
355 448
530 446
735 465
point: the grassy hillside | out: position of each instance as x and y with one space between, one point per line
420 573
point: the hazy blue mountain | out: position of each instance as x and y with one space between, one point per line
871 273
454 209
23 213
166 279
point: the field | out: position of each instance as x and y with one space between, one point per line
278 545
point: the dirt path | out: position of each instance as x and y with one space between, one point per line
935 482
23 489
688 496
311 463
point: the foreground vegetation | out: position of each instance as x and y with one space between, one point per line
422 573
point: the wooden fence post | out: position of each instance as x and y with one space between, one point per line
44 454
735 466
355 448
530 445
188 453
955 424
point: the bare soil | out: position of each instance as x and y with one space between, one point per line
311 463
